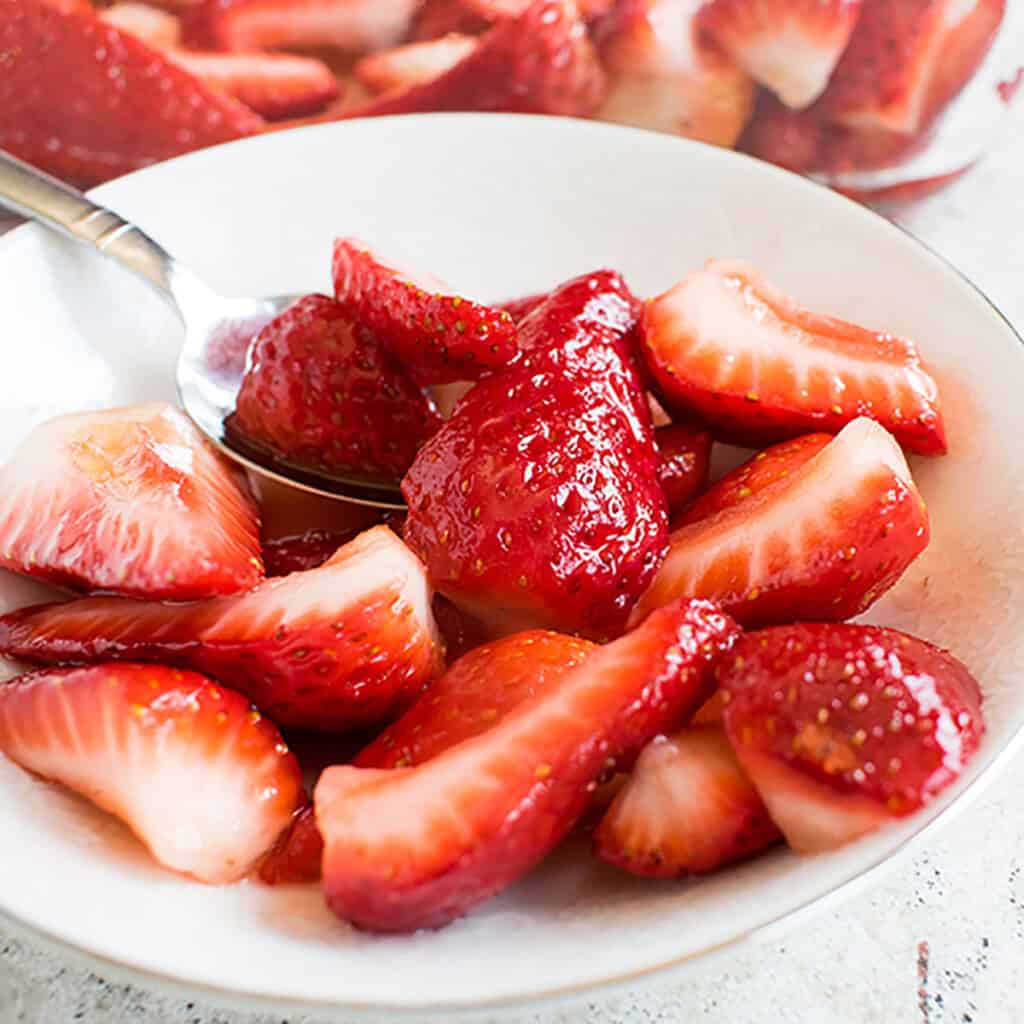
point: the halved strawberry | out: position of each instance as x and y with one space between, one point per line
478 691
411 848
414 63
687 808
335 648
192 769
842 728
157 28
436 335
684 457
823 542
907 60
665 76
537 504
730 348
790 46
130 500
295 858
60 111
320 391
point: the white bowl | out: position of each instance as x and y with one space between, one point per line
499 206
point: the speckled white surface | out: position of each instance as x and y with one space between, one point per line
939 940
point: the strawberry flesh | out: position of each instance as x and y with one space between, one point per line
414 63
412 848
684 457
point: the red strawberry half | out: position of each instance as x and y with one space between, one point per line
843 728
88 102
790 46
130 500
686 808
195 772
334 648
821 542
417 847
321 392
684 454
538 503
725 345
474 694
414 63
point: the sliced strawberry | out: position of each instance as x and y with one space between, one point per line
478 691
437 18
60 111
417 847
520 308
321 392
335 648
684 457
687 808
352 25
824 542
907 60
842 728
129 500
195 772
494 10
156 28
414 63
790 46
537 504
730 348
295 858
665 76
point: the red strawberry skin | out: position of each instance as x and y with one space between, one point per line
844 715
474 694
684 454
418 847
203 780
437 337
336 648
88 102
295 859
321 392
538 503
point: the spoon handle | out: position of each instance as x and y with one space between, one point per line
47 201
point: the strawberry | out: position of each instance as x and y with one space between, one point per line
156 28
665 76
192 769
437 18
537 504
686 808
285 555
88 102
319 391
436 335
130 500
907 60
480 689
519 308
494 10
342 646
351 25
295 858
414 63
842 728
790 46
684 456
822 542
725 345
411 848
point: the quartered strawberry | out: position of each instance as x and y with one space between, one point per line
437 336
335 648
843 728
684 456
130 500
790 46
414 63
478 691
537 504
157 28
409 848
320 391
664 75
730 348
88 102
822 542
907 60
295 858
687 808
192 769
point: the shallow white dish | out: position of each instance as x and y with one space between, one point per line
499 206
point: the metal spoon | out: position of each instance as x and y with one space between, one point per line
208 377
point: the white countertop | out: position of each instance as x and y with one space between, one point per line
938 940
